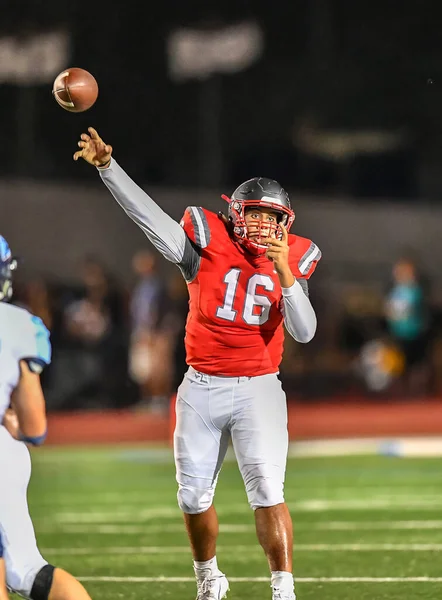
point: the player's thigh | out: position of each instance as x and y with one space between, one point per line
201 435
20 552
259 429
3 592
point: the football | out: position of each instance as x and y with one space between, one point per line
75 90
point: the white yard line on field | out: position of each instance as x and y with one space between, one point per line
267 580
243 548
368 525
119 516
397 446
238 528
402 446
314 505
379 503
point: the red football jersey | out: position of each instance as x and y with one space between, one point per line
235 325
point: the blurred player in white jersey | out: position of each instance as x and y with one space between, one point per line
25 350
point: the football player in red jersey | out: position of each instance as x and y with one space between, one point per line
247 276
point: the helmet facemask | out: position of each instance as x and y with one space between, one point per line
6 273
8 264
265 229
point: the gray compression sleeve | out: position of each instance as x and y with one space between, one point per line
299 315
164 233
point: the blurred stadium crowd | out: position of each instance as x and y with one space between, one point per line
112 347
118 346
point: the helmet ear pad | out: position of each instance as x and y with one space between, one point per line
224 218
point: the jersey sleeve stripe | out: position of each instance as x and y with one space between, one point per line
42 343
205 224
200 225
191 261
5 251
312 254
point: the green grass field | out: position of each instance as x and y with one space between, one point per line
365 527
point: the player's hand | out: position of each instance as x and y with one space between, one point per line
93 149
10 423
278 252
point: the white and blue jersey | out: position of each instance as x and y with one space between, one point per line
22 337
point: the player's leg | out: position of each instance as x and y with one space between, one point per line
260 441
52 583
27 572
3 591
65 587
200 444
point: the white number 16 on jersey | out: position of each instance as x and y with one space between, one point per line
249 313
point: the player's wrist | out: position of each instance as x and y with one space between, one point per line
105 165
286 277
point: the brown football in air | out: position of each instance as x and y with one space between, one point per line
75 90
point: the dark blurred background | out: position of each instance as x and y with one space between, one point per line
339 101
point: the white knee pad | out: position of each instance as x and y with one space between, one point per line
264 488
20 576
194 501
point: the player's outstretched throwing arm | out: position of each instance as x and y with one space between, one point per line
164 233
298 312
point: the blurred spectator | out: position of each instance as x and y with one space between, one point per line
91 368
39 302
361 318
97 309
145 296
380 364
39 299
149 362
408 321
374 360
172 322
158 358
